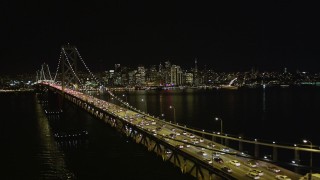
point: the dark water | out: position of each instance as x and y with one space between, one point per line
31 152
275 114
28 150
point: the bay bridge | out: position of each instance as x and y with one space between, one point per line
200 153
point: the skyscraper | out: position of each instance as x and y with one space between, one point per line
176 75
195 73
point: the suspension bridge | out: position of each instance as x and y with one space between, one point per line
202 154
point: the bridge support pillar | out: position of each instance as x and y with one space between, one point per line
275 154
256 150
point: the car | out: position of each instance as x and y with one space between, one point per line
167 151
200 148
216 154
252 163
202 153
225 149
209 161
226 169
172 135
217 159
186 145
164 138
282 177
179 146
195 141
235 162
210 145
259 172
273 169
253 175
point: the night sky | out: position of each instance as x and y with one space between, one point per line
229 36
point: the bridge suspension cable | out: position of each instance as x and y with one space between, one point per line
71 66
74 53
87 67
55 76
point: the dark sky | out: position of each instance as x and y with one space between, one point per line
229 36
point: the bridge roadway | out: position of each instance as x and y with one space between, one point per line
184 141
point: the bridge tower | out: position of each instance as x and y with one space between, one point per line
44 73
69 66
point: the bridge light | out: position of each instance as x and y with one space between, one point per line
273 142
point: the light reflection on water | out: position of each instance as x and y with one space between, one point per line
29 150
52 158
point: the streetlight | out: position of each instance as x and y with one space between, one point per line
125 96
145 103
174 113
307 141
217 119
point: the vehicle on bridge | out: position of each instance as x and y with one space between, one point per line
252 163
226 169
282 177
235 162
209 161
253 175
218 160
259 172
273 169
